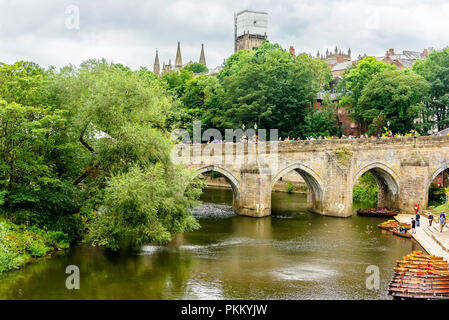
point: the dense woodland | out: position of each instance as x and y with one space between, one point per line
85 151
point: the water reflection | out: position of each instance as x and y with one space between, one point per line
290 255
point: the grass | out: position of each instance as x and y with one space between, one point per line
442 208
20 244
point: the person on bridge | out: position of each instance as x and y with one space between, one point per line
413 225
430 217
418 217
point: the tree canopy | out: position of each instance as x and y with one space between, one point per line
377 93
270 87
392 96
435 69
94 143
196 68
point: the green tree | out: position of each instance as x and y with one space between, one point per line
435 69
321 122
267 86
28 136
394 96
36 149
320 69
176 81
24 83
354 81
197 68
366 190
135 192
201 100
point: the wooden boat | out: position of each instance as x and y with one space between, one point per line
402 295
404 235
420 255
426 277
427 262
372 212
429 282
419 286
420 290
422 277
389 227
426 266
421 282
420 259
431 271
393 224
419 276
423 266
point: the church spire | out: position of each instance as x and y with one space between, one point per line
156 67
202 56
178 60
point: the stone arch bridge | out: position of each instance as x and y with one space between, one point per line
403 168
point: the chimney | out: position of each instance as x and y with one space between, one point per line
425 53
292 51
390 52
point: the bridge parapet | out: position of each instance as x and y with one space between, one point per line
314 145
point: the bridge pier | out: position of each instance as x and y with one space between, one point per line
255 192
414 188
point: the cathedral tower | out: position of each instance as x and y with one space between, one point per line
178 60
156 67
202 56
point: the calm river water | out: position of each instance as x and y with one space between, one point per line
291 255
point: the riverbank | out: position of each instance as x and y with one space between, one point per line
430 238
21 244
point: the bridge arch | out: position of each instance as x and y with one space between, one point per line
387 182
235 185
442 167
313 181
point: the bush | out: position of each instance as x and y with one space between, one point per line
366 191
289 187
20 243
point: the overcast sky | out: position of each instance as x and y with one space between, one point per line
129 31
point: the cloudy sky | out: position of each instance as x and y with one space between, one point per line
129 31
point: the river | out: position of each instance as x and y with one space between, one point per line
291 255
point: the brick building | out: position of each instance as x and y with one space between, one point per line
403 60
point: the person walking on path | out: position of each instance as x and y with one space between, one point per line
430 217
418 216
413 225
442 221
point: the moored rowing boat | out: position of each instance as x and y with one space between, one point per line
419 276
372 212
393 224
428 270
402 295
404 235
